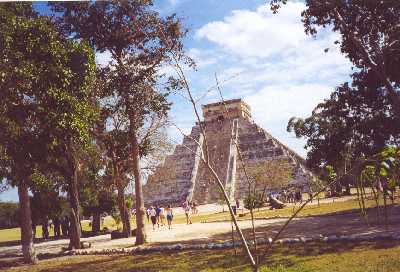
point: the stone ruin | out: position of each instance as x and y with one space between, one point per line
183 176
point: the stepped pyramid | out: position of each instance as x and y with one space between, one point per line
183 175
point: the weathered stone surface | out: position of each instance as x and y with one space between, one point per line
183 176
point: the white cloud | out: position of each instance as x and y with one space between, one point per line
202 58
257 33
273 106
282 71
284 101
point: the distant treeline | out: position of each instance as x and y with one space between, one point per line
9 215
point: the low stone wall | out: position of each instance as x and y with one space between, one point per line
229 244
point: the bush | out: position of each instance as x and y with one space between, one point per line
253 201
9 215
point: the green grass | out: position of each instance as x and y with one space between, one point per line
10 234
362 257
309 210
14 234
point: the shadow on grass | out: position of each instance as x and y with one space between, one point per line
223 260
338 223
290 257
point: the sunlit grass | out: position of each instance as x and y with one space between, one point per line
321 257
309 210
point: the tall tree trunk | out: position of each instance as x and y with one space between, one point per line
348 188
141 237
28 249
34 230
75 226
123 210
45 228
96 222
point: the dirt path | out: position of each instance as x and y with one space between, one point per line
204 232
178 233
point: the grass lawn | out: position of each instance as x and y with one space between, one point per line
14 234
380 256
309 210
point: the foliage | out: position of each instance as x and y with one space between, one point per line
51 102
95 191
253 201
369 38
9 215
46 102
140 43
117 217
358 119
354 122
137 52
330 173
381 173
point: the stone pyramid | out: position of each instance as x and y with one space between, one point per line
183 175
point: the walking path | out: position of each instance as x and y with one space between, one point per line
179 232
204 232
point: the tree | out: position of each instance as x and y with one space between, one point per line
381 175
9 214
96 202
46 104
116 146
369 37
18 131
95 191
114 138
356 121
140 43
359 118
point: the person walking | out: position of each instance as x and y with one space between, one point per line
158 210
57 224
194 207
148 215
170 216
153 217
162 216
188 213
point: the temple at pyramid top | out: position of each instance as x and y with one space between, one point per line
228 109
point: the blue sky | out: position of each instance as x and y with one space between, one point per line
263 58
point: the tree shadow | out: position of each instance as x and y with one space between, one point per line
338 223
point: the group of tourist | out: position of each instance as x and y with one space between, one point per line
288 196
157 215
189 208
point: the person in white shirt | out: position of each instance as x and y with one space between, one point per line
162 216
153 217
188 213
